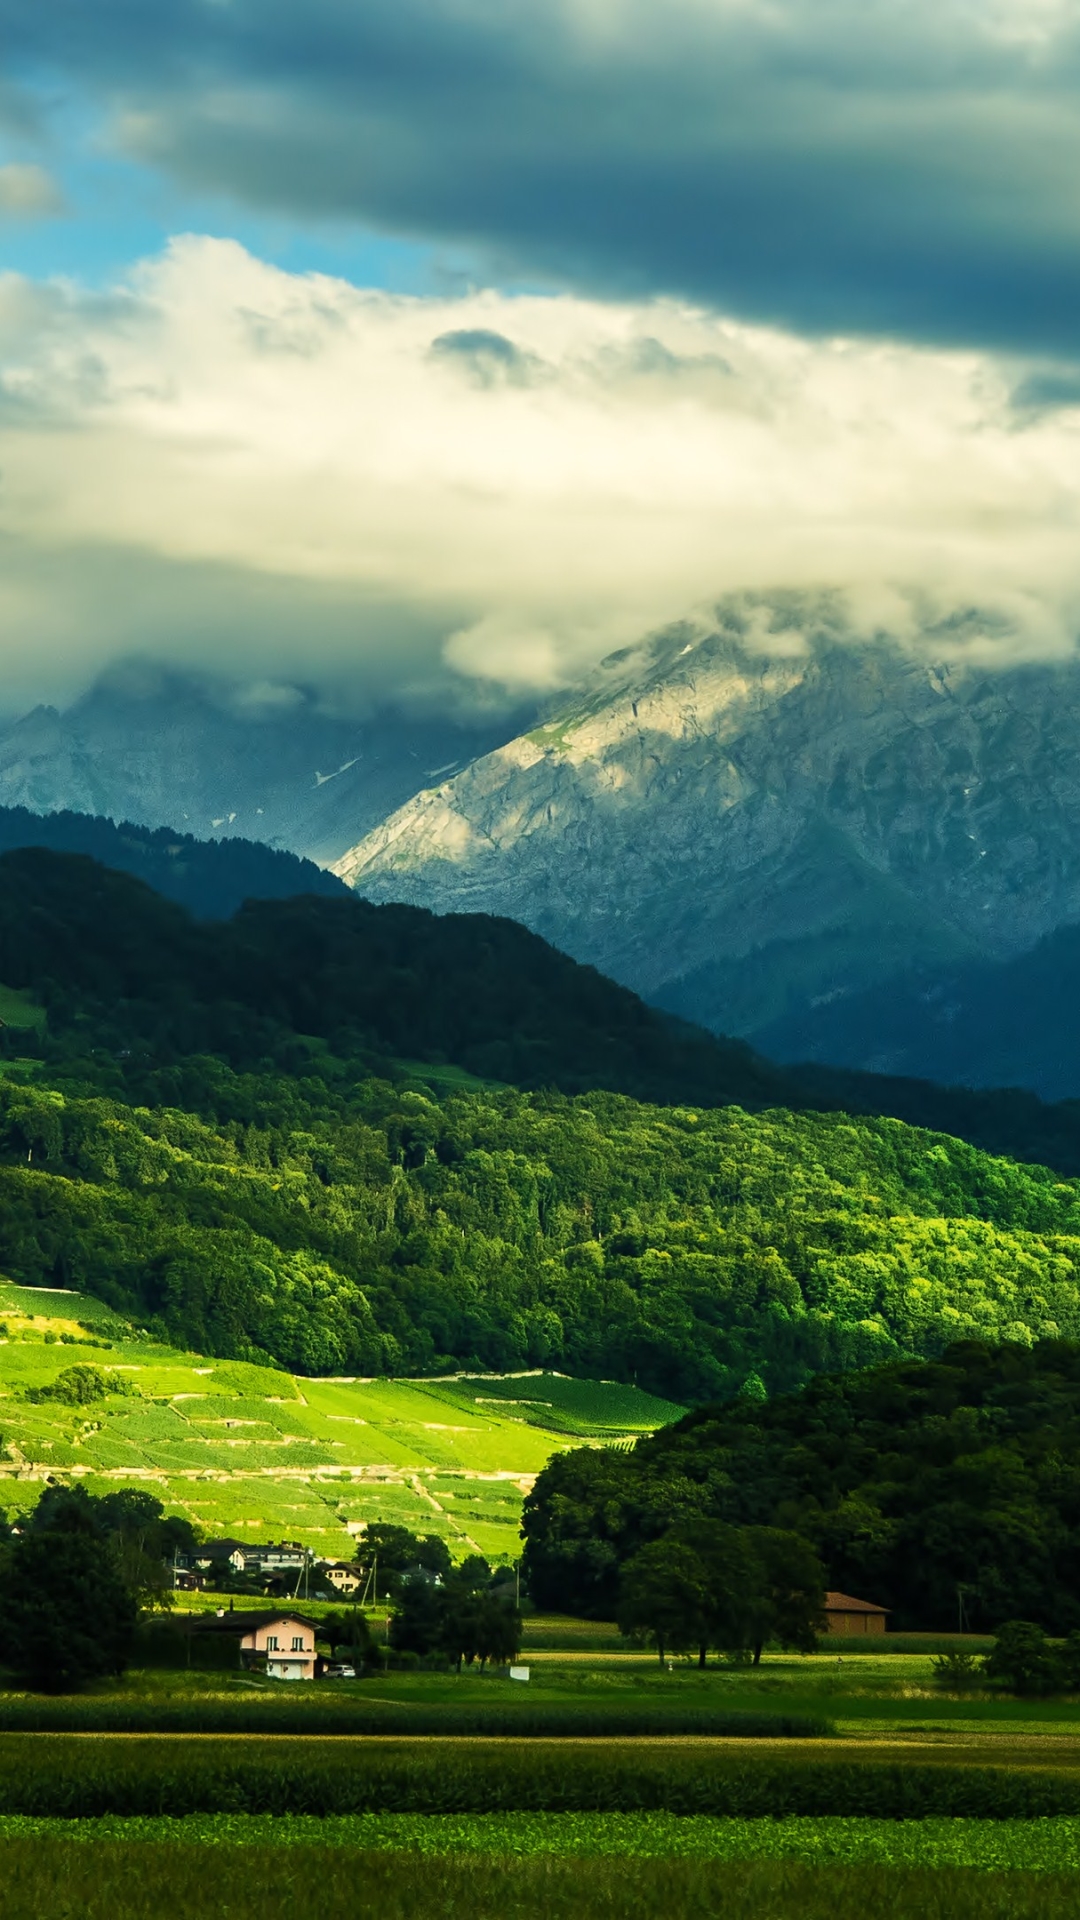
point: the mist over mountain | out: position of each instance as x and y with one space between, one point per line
162 747
752 823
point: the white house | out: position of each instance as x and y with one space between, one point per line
279 1643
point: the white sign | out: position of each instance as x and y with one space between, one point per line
519 1673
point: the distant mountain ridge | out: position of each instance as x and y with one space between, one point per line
740 825
163 747
1004 1023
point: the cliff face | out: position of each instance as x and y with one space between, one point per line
737 833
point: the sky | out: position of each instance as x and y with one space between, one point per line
435 347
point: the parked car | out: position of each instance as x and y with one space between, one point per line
339 1672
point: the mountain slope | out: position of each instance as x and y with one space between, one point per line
115 963
736 825
165 748
212 878
982 1024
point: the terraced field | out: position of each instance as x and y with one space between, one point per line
250 1450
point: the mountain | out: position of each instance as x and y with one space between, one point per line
164 748
745 822
981 1023
210 877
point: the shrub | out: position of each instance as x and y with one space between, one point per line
1023 1659
957 1670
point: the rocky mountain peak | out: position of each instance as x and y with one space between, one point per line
737 819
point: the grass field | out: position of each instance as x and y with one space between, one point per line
1026 1846
18 1008
255 1452
101 1881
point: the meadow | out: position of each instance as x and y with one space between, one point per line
254 1451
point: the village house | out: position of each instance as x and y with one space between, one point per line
843 1614
339 1575
277 1643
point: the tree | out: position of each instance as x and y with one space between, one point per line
664 1593
1023 1659
349 1631
416 1622
498 1630
788 1593
68 1616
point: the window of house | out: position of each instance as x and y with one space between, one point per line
271 1643
298 1643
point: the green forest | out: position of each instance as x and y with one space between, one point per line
383 1228
947 1491
291 1136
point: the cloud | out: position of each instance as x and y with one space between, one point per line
825 165
223 463
28 191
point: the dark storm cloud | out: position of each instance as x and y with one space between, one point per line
840 165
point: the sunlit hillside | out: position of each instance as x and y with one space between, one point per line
257 1452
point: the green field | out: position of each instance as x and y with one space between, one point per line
100 1881
1032 1846
18 1008
920 1807
257 1452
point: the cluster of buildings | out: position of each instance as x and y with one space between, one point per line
284 1566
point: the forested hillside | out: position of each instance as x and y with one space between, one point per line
947 1492
377 1228
287 1135
134 978
210 877
131 979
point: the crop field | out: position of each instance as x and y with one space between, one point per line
1028 1846
100 1881
243 1449
915 1805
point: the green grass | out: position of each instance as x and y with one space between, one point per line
1028 1846
86 1880
254 1451
18 1008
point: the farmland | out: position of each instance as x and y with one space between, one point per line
252 1450
922 1804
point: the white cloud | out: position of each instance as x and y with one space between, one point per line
297 440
